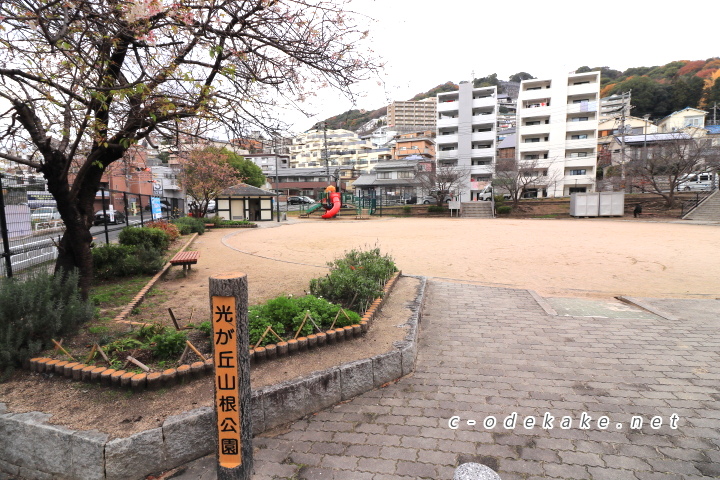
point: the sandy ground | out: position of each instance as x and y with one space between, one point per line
591 257
581 257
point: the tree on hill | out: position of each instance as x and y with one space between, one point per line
520 76
445 87
87 79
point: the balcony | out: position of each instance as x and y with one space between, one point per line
481 169
535 129
571 162
484 102
582 107
580 144
581 126
482 136
533 147
446 139
482 152
535 111
447 155
586 88
447 122
448 106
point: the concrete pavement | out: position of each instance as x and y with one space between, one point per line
493 352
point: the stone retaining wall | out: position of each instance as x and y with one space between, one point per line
42 451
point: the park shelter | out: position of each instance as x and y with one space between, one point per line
245 202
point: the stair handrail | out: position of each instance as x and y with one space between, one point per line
691 205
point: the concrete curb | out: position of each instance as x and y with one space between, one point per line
543 303
41 451
646 306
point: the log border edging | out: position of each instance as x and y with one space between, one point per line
181 438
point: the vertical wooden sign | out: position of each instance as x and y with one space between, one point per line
228 301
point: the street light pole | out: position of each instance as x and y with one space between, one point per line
277 183
327 159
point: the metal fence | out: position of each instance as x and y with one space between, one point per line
31 228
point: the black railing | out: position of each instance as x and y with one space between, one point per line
690 205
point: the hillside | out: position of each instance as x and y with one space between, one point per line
657 91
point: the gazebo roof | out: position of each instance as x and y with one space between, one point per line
245 190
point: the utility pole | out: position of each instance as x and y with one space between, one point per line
714 108
622 139
327 159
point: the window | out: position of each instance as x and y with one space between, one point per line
578 154
580 171
532 157
384 175
581 100
580 119
582 83
532 140
579 137
532 122
405 175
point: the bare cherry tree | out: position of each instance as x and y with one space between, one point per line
442 182
660 166
516 176
81 81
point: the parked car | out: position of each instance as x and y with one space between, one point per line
45 214
428 199
211 206
696 182
116 217
297 200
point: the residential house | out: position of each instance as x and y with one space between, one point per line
687 117
415 143
394 179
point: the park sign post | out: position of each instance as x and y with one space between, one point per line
229 304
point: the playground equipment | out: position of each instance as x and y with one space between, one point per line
334 202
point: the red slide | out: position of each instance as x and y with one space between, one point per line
336 204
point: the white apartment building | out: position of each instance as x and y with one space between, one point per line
466 134
557 128
344 148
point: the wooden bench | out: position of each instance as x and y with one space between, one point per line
186 259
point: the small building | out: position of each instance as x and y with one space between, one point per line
687 117
245 202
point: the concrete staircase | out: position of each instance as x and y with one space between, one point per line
708 211
477 209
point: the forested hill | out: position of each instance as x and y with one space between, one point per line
657 91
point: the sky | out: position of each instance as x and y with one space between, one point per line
424 44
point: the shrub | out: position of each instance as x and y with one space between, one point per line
499 199
436 209
111 261
236 222
151 238
503 209
285 314
406 209
188 225
355 280
169 228
34 311
169 343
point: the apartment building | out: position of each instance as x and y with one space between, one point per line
412 115
466 135
344 148
614 106
415 143
557 127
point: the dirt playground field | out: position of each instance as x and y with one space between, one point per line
589 257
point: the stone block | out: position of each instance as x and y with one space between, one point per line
324 390
283 403
475 471
189 435
30 474
36 445
88 455
258 414
386 367
356 378
135 456
9 468
408 354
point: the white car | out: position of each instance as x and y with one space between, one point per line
696 182
45 214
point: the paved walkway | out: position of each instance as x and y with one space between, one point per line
494 352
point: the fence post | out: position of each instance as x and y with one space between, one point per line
231 357
4 231
106 220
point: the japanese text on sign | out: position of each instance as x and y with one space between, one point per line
227 385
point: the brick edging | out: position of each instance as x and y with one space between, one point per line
91 455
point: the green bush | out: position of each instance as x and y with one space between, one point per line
355 280
188 225
150 238
406 209
503 209
499 199
437 209
285 314
34 311
112 261
236 222
168 343
205 327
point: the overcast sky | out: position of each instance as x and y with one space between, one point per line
424 43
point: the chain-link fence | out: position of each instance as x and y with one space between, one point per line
31 227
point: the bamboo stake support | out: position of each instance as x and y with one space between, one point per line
307 314
172 317
102 353
137 362
91 354
262 336
59 346
185 352
197 352
276 335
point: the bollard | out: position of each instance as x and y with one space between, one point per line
231 356
475 471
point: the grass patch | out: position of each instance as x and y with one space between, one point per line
117 293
